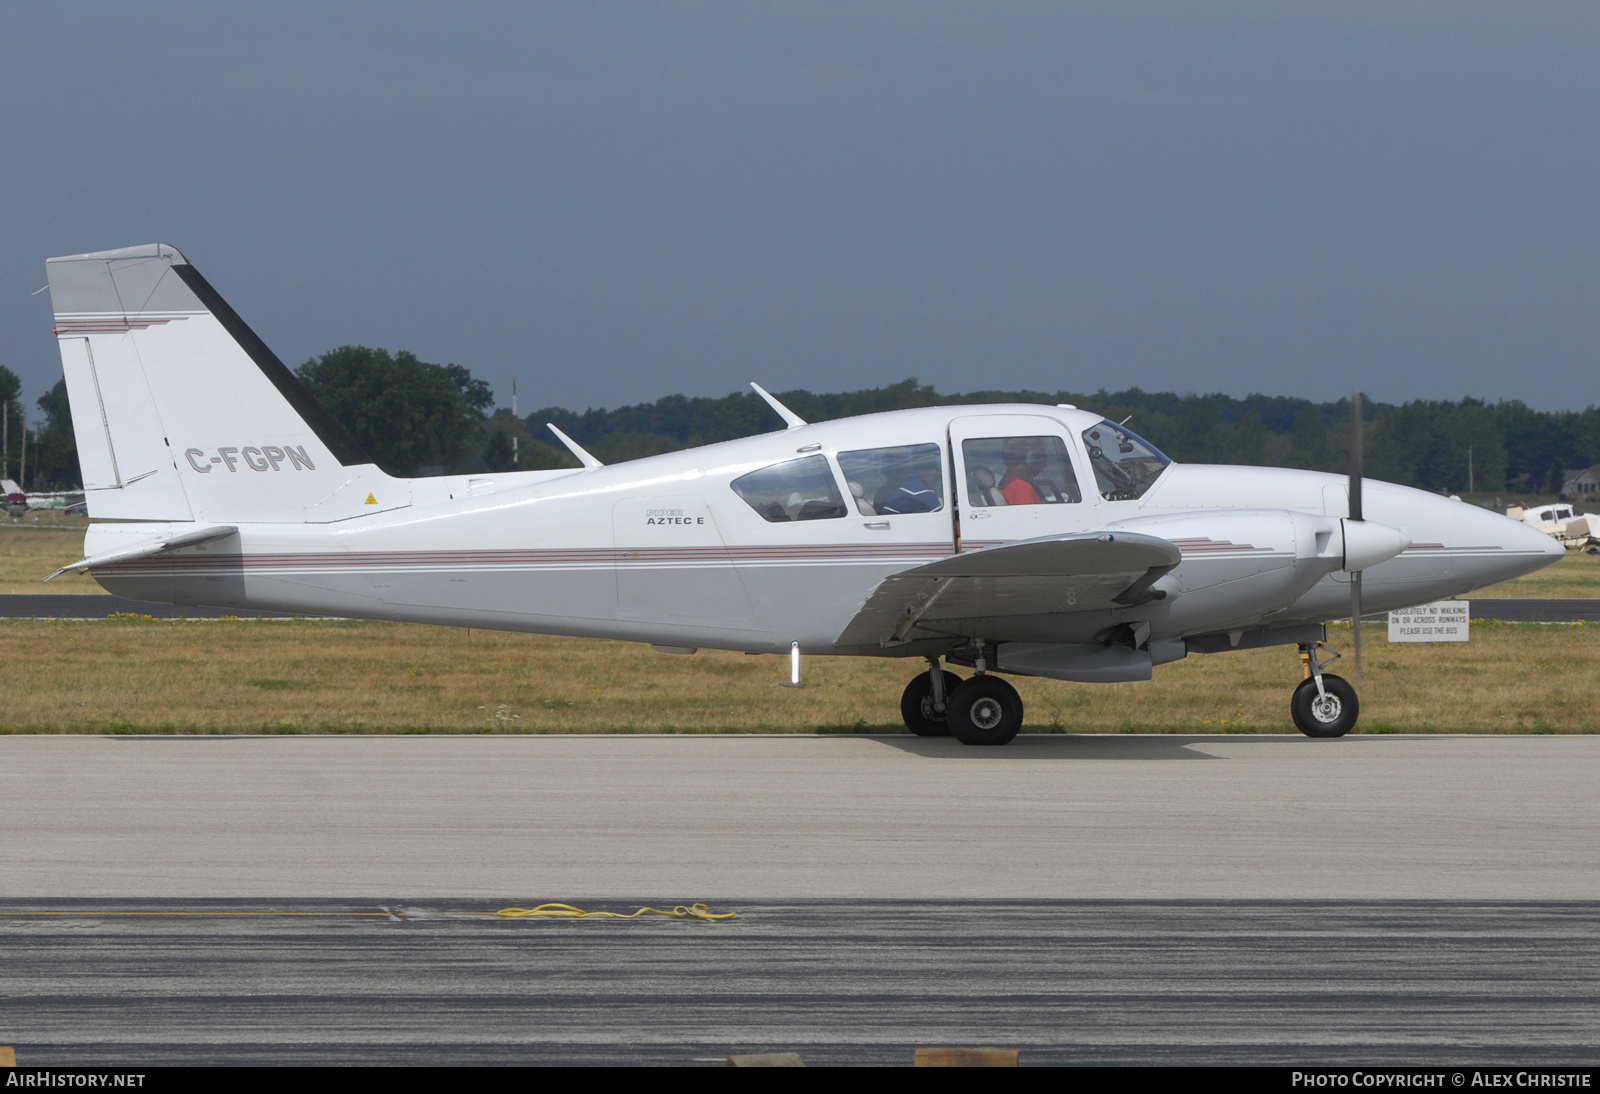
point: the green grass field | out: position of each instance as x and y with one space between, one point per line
139 675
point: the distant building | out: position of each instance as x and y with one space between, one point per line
1584 484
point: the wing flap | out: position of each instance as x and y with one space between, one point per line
1073 573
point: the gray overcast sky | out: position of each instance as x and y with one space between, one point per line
614 202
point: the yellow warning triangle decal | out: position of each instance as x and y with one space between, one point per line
371 500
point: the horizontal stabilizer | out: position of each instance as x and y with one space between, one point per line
1072 573
150 547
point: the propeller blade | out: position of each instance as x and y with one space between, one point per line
1355 514
1355 455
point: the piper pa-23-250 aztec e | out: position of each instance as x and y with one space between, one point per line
1019 539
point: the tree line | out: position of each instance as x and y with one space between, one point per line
415 417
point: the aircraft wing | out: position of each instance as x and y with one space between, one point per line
1084 571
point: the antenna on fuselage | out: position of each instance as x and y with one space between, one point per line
789 416
574 447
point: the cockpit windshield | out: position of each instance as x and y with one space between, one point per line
1125 464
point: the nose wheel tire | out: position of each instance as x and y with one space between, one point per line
1333 716
985 710
916 705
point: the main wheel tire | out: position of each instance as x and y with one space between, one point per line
985 710
916 705
1331 717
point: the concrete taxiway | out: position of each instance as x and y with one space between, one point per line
772 817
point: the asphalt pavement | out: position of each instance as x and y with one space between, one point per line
102 606
126 984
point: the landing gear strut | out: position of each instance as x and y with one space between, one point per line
1324 705
926 703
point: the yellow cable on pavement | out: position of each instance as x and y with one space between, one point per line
567 911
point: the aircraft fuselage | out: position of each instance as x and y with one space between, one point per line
667 550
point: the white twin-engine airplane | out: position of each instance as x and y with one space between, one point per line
1029 540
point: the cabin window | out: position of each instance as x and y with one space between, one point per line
793 490
1019 471
907 479
1125 464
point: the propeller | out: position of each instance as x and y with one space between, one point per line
1355 515
1366 543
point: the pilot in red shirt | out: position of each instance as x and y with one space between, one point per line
1023 462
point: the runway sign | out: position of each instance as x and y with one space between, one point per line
1441 621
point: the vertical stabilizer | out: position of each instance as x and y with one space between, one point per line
182 413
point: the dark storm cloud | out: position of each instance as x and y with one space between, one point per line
615 202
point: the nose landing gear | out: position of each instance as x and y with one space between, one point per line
1324 705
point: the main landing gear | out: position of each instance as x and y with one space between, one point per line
984 710
1324 705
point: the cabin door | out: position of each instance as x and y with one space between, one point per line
1016 479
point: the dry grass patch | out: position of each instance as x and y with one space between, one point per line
310 676
30 550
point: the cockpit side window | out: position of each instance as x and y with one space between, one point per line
1125 464
802 489
1019 471
907 479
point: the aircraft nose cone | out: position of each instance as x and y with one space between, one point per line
1550 545
1526 549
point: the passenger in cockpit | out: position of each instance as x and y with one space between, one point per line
904 489
1023 461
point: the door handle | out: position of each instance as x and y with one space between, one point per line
877 524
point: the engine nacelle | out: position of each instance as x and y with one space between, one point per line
1243 565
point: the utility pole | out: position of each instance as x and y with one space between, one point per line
5 441
514 429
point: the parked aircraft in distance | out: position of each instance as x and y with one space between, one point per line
1019 539
1567 523
19 502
